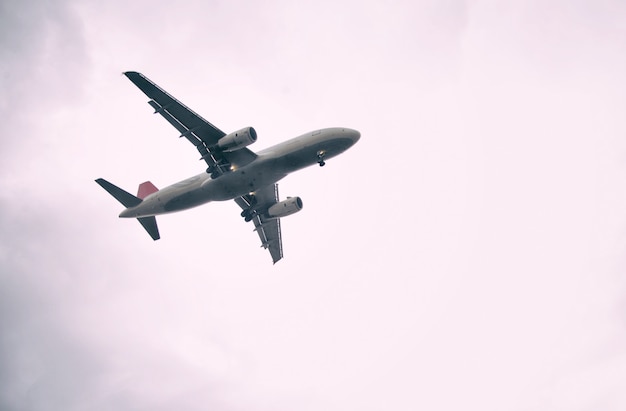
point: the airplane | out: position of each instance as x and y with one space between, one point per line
234 172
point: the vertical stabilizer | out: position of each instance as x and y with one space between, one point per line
145 189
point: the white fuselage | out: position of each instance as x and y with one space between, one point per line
270 166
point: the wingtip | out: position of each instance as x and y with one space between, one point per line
131 73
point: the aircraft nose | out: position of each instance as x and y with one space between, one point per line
353 135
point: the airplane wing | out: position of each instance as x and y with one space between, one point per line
202 134
255 206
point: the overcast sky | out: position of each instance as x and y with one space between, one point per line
468 253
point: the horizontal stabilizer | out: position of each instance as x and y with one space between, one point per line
150 224
126 198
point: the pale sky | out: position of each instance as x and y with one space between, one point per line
467 253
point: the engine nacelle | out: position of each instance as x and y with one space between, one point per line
286 207
237 140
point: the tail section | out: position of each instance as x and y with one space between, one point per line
129 200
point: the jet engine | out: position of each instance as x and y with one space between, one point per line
237 140
286 207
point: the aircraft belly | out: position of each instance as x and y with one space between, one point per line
243 181
225 187
184 201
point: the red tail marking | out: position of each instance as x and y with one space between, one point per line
145 189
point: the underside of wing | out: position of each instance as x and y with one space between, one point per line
254 208
202 134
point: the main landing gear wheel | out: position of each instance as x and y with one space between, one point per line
320 158
249 213
213 171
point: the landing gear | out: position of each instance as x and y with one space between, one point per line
320 158
249 213
213 171
218 169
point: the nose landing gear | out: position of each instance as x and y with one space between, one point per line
320 158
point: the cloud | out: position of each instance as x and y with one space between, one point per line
43 71
467 251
